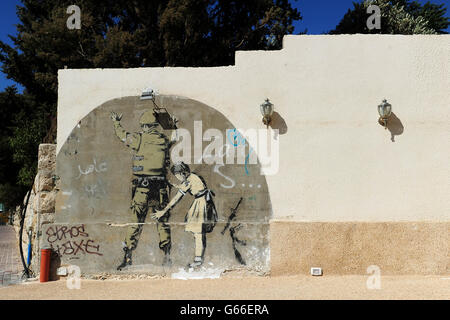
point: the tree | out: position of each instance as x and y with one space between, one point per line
18 154
397 17
116 34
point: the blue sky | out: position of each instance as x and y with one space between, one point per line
319 16
8 20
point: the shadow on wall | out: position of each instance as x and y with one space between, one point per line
395 126
279 124
54 265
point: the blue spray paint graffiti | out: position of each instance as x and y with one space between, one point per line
236 140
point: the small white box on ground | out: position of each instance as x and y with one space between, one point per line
61 271
315 271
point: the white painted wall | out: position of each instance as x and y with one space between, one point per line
336 162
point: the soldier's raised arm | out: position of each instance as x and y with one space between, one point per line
131 140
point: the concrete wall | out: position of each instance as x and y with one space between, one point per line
98 202
337 164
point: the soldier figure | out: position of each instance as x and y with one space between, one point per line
150 187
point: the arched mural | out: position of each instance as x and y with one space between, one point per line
137 195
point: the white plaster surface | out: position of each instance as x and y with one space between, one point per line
203 273
336 162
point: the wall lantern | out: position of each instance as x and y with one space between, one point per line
385 110
267 112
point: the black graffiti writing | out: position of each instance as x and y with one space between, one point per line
77 247
72 244
58 233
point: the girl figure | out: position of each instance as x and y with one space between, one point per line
202 215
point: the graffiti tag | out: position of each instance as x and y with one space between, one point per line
102 167
96 190
236 139
78 241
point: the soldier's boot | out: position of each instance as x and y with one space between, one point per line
127 261
198 262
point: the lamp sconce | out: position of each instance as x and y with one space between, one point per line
267 112
148 94
385 111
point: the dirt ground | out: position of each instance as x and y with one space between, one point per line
233 288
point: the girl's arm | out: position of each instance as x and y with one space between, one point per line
159 214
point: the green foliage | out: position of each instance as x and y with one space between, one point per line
115 34
397 17
17 167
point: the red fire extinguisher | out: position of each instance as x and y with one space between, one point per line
45 264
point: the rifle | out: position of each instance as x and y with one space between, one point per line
232 216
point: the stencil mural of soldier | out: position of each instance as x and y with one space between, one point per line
202 215
130 166
150 190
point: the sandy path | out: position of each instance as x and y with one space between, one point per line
229 288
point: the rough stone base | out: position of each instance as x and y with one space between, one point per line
41 205
350 248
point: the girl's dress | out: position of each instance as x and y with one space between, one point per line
202 215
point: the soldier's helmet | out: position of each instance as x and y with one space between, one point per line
148 118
